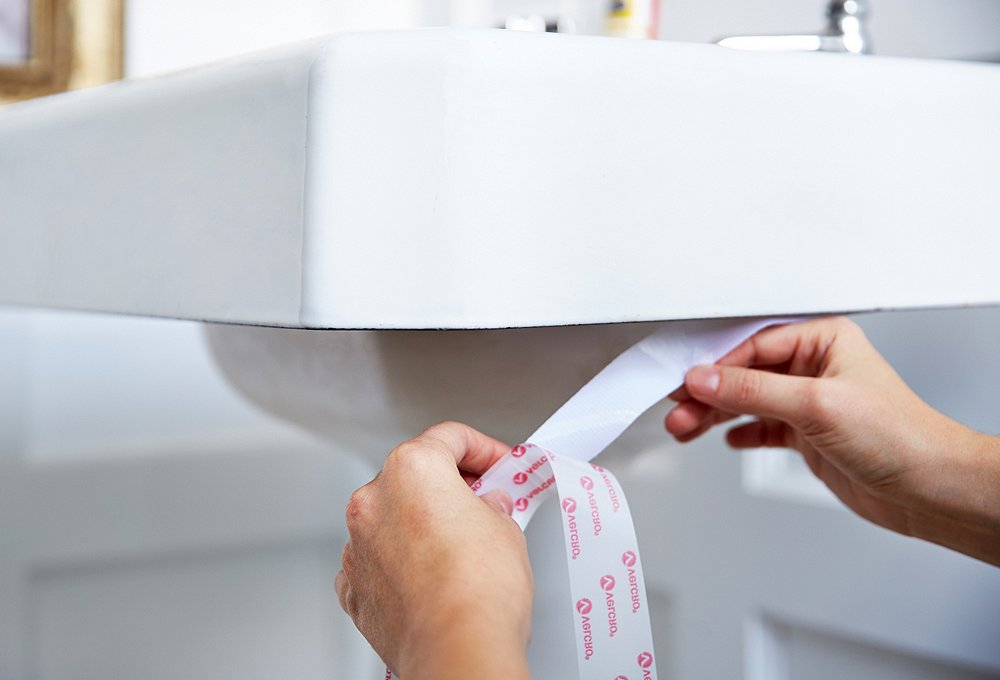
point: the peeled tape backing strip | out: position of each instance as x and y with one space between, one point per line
613 635
612 628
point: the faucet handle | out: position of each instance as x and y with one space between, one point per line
846 31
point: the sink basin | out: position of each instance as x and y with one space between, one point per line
491 179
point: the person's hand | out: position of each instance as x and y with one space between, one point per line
821 388
434 577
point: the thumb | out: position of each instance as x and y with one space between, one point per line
499 501
748 391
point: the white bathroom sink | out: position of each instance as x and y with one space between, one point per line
489 179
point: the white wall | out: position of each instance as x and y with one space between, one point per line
163 36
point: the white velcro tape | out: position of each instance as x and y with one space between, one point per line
613 635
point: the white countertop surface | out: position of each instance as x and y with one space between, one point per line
480 179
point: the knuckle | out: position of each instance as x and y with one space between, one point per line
441 434
347 560
399 454
823 399
350 602
421 451
748 387
407 455
448 435
446 426
848 328
820 407
358 508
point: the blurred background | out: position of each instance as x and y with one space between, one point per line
154 525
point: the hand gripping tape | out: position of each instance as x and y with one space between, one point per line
614 639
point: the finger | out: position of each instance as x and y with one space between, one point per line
713 419
758 393
687 417
499 501
695 433
758 434
765 433
814 460
340 585
471 450
779 344
346 563
679 395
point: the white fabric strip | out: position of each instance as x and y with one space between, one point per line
605 407
613 634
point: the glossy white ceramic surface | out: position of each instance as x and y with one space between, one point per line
481 179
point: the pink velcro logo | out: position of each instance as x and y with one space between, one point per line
645 660
628 558
584 606
520 478
621 677
521 504
569 505
586 482
608 583
519 451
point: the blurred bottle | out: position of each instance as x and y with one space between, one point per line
633 18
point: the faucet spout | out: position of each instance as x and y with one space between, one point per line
847 31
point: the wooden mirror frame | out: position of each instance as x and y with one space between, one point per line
74 43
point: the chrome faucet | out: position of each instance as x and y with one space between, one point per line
846 31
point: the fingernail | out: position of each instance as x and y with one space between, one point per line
499 500
703 379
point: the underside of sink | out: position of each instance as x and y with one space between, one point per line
367 390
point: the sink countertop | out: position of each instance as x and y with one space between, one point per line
481 179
